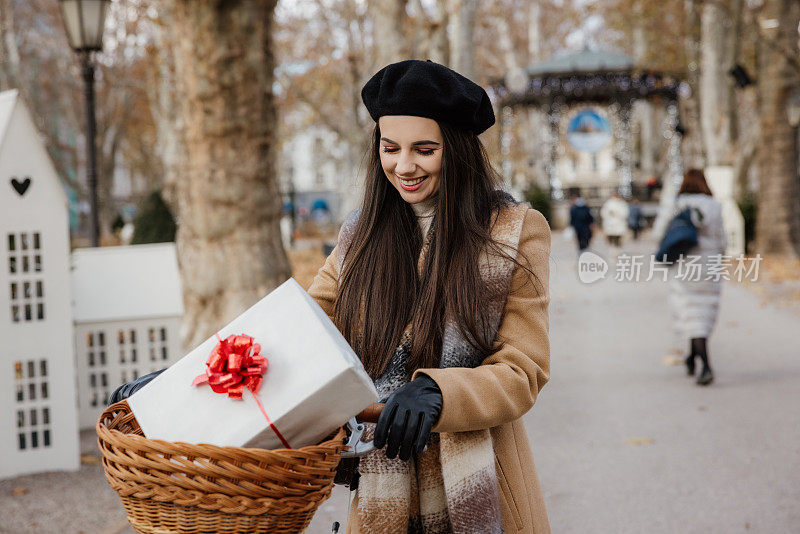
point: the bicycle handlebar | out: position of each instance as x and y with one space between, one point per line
371 413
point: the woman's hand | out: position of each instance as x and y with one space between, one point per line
406 420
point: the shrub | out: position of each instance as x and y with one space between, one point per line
153 222
539 199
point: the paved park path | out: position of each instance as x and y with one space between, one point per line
624 443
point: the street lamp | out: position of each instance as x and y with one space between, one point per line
84 21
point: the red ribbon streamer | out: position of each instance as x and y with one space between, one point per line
236 364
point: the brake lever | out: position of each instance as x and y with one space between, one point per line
354 447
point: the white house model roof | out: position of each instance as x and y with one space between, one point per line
121 283
24 152
7 101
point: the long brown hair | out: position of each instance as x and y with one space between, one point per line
380 289
694 181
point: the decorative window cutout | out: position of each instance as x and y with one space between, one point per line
158 343
27 295
33 419
97 356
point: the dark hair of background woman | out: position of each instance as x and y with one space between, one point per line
380 290
694 181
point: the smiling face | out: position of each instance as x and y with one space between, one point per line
411 155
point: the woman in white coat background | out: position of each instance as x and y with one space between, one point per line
614 215
695 293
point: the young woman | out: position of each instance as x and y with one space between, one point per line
440 284
695 299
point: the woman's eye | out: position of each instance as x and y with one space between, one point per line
427 152
390 150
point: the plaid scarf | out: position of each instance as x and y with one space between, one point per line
451 487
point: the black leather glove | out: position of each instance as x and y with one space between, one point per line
126 390
406 420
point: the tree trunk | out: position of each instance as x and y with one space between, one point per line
462 37
716 88
388 17
9 54
535 39
430 33
165 105
692 143
109 138
440 45
228 199
778 224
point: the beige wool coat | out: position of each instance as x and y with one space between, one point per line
497 393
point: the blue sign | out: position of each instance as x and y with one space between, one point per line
588 131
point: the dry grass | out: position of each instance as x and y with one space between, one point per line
778 282
781 269
305 264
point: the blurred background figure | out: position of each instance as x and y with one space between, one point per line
635 217
614 215
580 218
653 183
693 298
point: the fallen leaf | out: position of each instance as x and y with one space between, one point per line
639 441
671 360
731 324
90 459
19 491
702 409
675 351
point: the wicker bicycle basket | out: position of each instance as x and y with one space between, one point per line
169 487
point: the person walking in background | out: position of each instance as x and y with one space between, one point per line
581 220
695 299
653 183
614 215
635 218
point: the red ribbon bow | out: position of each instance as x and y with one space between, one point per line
235 364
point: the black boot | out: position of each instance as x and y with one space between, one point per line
690 364
699 348
706 377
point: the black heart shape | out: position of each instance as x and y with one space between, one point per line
22 186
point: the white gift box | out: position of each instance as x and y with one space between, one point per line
314 382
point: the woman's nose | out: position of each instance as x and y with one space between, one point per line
405 164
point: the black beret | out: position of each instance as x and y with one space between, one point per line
428 89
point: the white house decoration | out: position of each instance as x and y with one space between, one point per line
127 310
38 415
